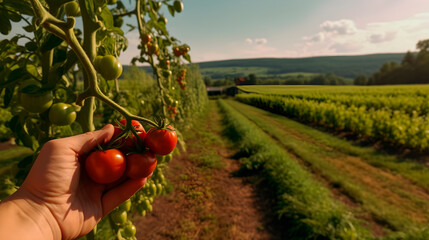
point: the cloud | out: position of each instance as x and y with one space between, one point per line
382 37
257 41
261 41
319 37
341 27
344 37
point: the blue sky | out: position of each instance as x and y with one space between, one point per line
232 29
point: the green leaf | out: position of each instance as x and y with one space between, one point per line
23 7
51 42
107 17
8 95
14 16
32 89
16 75
28 28
187 57
5 25
171 10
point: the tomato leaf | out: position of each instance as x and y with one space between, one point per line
171 10
107 17
51 42
8 96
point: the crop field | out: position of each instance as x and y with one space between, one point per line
386 191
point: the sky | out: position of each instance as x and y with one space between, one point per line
237 29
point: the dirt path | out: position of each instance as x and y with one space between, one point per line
209 200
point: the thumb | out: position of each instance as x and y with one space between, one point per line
84 143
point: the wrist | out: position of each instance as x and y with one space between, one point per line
24 217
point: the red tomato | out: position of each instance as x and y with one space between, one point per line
129 141
161 141
140 165
105 166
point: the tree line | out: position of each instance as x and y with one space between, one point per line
413 69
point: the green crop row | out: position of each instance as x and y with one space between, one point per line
302 203
393 127
410 100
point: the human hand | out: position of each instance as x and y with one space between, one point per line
59 193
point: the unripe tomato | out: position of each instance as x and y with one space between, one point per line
118 21
161 141
125 206
140 165
97 61
152 49
178 6
36 103
156 5
72 9
119 217
166 73
105 166
177 51
109 67
110 2
130 230
162 20
145 39
62 114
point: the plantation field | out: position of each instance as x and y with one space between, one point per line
327 186
393 115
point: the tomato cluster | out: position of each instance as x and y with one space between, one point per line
180 50
181 79
133 158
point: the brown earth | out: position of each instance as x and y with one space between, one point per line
210 202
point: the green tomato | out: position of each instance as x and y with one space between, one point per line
109 67
130 230
163 20
110 2
96 62
125 206
159 188
72 9
178 6
118 21
62 114
119 217
36 103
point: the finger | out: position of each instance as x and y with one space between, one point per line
119 194
84 143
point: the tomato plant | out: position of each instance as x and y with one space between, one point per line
140 165
105 166
62 114
161 141
54 64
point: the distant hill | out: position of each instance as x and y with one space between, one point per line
345 66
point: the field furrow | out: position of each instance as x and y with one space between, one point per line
387 197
